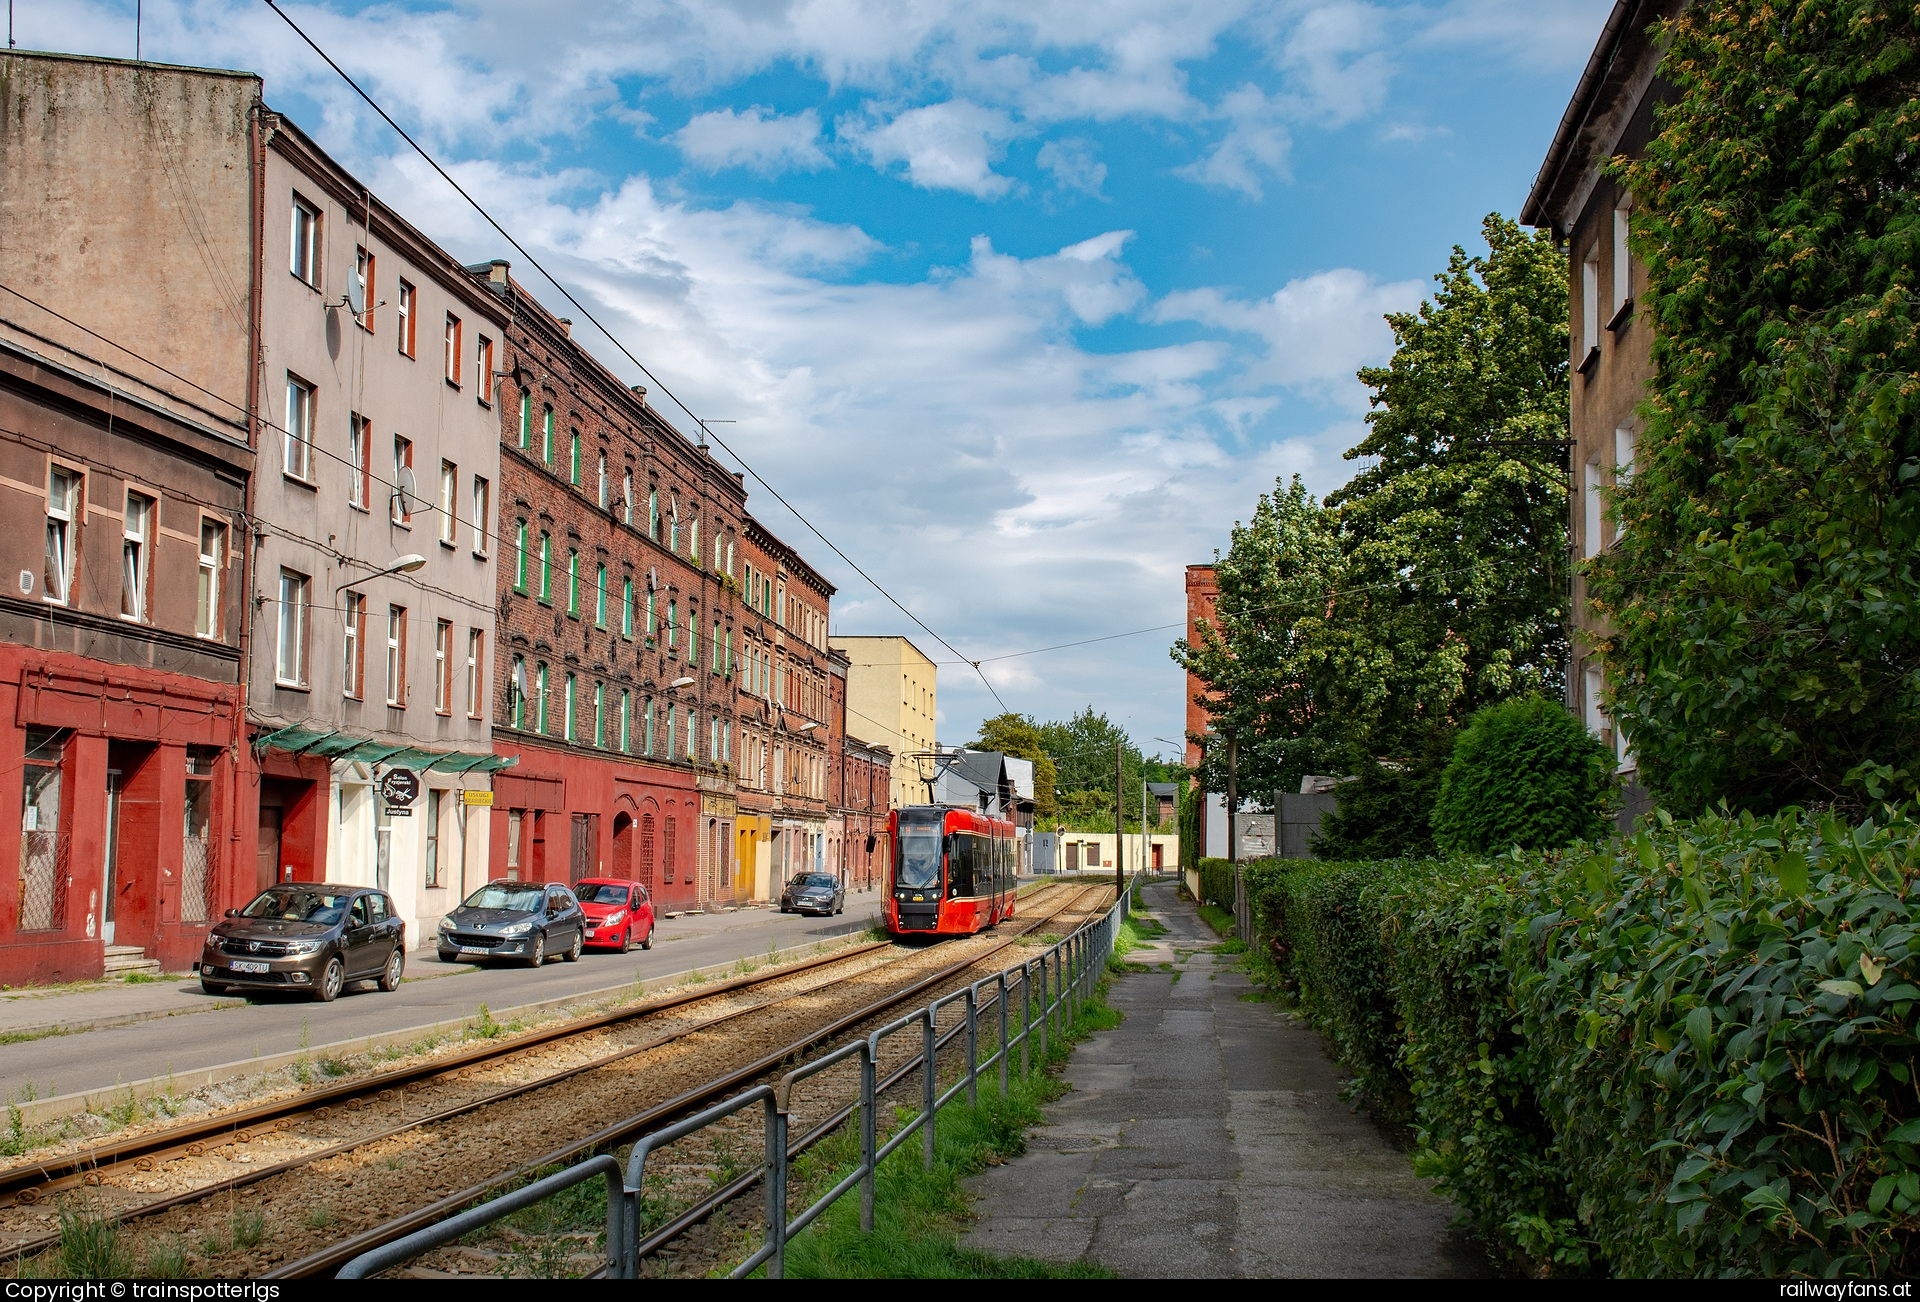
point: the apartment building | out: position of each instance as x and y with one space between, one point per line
620 628
1611 114
892 702
859 780
219 267
785 712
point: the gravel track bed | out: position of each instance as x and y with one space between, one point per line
297 1212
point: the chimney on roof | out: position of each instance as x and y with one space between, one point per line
639 391
497 271
566 324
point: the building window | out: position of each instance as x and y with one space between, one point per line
443 666
546 566
453 350
397 656
1622 259
729 566
566 707
713 737
405 319
520 554
713 649
483 371
693 734
400 508
600 598
673 526
1624 442
573 582
476 656
513 841
646 849
136 555
213 565
290 663
600 714
1590 543
305 259
482 516
546 435
693 541
449 502
353 655
726 740
297 454
516 692
526 419
693 640
604 499
729 655
626 608
669 848
435 800
653 516
673 624
540 699
363 274
626 722
1589 306
650 624
360 459
573 458
672 712
648 750
626 497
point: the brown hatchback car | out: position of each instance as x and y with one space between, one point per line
312 938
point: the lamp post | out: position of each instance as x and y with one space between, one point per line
404 565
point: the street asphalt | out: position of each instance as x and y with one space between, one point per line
1205 1137
106 1046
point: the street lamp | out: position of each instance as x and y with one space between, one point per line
681 682
404 565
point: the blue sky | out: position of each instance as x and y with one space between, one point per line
1023 304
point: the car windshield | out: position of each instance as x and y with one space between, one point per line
517 896
919 859
601 893
816 879
296 905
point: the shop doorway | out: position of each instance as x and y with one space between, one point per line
115 786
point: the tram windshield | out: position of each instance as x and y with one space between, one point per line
919 866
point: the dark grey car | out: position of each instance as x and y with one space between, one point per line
820 893
523 921
307 937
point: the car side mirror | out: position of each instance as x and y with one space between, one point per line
233 913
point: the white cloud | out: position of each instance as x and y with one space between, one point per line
1317 330
1074 166
947 146
758 139
1254 148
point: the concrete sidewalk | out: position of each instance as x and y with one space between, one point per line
1205 1136
98 1005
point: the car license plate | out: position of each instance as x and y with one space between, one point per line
589 935
472 951
242 965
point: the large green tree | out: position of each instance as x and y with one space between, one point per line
1368 626
1763 601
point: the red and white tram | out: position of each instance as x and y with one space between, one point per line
951 872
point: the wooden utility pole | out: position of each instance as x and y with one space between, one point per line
1119 819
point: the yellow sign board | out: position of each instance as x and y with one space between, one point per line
476 797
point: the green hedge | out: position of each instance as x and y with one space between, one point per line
1688 1054
1216 882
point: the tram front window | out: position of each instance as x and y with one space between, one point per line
919 867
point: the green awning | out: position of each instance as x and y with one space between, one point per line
336 745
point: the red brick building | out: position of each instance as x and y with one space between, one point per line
786 720
857 789
620 628
1202 593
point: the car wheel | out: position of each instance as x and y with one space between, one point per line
648 942
539 956
212 987
390 976
573 954
332 978
626 941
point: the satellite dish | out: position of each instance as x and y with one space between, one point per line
356 293
408 489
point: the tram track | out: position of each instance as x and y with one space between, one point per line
403 1138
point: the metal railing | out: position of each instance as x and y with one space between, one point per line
1066 973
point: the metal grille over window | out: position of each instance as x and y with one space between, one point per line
196 866
44 864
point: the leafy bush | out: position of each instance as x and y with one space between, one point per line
1688 1054
1524 773
1387 811
1216 882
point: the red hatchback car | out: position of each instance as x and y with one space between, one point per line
619 914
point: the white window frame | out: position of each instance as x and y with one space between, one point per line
476 654
482 509
1589 304
63 529
449 503
353 664
1590 540
304 253
136 555
290 652
1622 255
396 656
297 446
400 507
443 666
207 619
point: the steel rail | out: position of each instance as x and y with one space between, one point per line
338 1254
